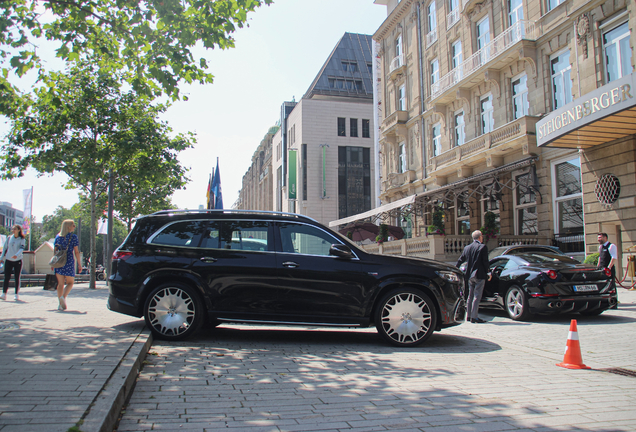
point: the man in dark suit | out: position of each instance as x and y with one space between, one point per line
476 257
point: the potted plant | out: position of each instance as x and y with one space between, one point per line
383 235
437 227
490 229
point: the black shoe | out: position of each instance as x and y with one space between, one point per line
477 321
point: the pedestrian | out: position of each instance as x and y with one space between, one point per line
607 254
66 275
12 257
475 255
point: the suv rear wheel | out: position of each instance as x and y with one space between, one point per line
406 317
173 311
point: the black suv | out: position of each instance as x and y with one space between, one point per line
184 269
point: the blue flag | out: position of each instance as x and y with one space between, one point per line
216 187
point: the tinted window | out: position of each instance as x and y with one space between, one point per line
306 239
547 257
244 235
211 235
186 234
498 264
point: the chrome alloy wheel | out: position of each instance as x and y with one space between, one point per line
171 311
515 303
406 318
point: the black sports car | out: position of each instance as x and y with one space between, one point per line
545 283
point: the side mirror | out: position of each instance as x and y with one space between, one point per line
341 251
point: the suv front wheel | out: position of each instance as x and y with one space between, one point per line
173 311
406 317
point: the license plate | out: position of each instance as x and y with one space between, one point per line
585 288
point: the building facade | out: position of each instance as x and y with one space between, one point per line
257 186
10 216
323 156
465 85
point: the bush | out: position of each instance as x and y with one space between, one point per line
592 259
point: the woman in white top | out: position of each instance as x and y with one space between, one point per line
12 257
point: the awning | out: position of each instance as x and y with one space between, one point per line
603 115
376 211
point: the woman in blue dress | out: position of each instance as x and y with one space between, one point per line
66 275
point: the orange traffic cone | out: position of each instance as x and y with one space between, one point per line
572 358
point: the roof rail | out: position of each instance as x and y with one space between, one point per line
238 211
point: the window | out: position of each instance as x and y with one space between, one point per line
525 206
568 197
554 3
483 39
183 234
454 13
345 84
398 47
487 114
490 203
460 135
516 11
520 97
305 239
342 128
561 82
618 54
463 215
432 18
370 68
437 139
366 128
354 180
350 66
456 51
353 127
402 165
434 71
241 235
402 98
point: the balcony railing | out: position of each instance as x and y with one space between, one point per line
513 34
452 18
431 37
505 133
396 63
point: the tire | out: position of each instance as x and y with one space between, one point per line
406 317
173 311
517 304
100 276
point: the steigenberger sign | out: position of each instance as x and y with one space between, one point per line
609 99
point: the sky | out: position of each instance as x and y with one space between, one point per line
275 59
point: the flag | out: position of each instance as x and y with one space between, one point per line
28 204
216 187
207 194
102 225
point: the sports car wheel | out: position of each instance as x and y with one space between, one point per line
406 317
173 311
517 304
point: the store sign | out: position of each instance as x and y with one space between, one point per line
602 102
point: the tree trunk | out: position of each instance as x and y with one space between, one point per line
93 231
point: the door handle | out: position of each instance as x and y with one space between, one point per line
290 264
208 259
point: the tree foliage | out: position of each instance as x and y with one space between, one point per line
151 41
83 125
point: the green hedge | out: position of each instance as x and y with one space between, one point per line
591 259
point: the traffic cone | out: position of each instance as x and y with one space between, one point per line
572 358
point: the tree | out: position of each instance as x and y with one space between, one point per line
84 126
150 41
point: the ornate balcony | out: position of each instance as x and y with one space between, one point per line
452 18
395 180
431 37
508 132
397 65
392 123
495 55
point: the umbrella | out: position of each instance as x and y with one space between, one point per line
361 231
396 232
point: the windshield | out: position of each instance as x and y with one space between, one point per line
544 257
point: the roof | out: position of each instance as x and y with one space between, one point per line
347 71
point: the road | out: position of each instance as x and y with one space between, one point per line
475 377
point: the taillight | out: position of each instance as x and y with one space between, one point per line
551 274
607 271
121 255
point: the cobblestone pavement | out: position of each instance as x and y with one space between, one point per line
54 364
476 377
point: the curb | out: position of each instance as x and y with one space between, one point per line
104 411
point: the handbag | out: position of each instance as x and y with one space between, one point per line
50 282
59 257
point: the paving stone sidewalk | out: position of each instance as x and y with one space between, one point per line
61 369
497 376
